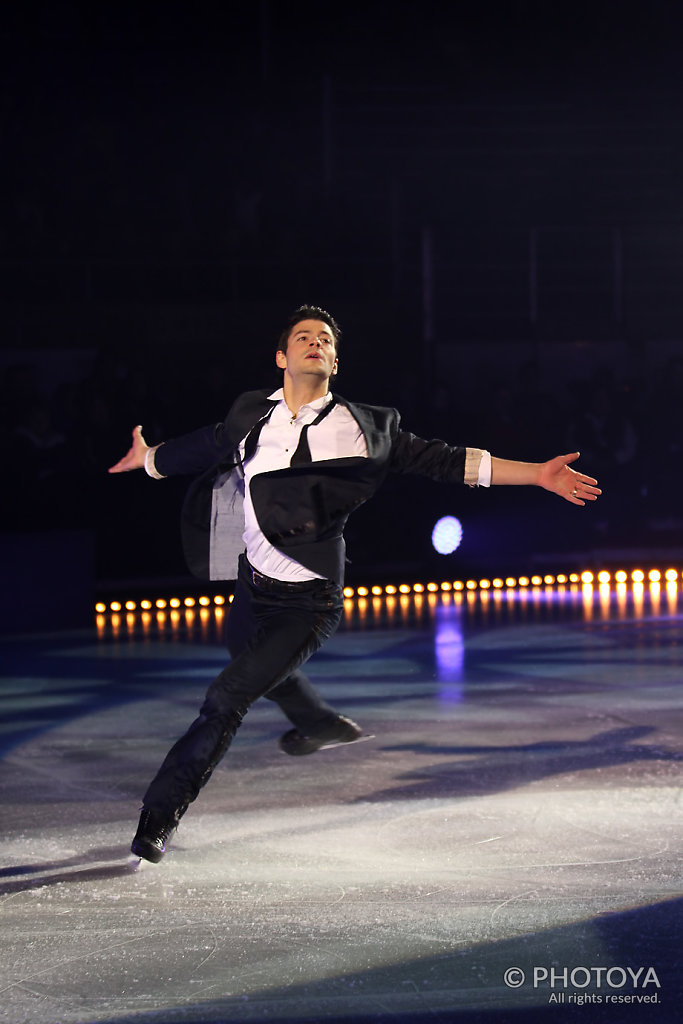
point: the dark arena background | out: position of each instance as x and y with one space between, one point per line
488 198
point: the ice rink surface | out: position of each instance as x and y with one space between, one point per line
506 848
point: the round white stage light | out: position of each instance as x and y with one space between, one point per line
446 535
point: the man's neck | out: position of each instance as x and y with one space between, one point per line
298 393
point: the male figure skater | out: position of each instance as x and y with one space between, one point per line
280 477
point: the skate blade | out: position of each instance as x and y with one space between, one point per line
348 743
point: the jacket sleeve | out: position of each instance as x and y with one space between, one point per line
211 446
193 453
434 459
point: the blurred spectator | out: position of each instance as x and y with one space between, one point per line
603 431
19 387
34 456
663 436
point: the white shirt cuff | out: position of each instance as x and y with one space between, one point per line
150 468
485 470
477 467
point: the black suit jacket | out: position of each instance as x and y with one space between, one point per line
302 511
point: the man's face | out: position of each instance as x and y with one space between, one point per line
311 349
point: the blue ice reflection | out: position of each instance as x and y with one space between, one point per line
449 653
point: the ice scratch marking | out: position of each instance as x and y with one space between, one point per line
74 959
513 899
209 955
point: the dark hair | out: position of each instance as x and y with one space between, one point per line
309 313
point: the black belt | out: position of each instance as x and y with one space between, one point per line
262 582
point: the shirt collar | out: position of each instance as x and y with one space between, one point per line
317 404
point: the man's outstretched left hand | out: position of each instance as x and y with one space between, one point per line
557 476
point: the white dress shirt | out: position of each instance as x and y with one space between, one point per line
338 436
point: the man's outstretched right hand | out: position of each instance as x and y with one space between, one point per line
135 457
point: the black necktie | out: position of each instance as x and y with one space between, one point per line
302 455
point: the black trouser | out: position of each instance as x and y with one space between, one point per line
272 629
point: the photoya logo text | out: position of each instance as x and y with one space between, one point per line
583 977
